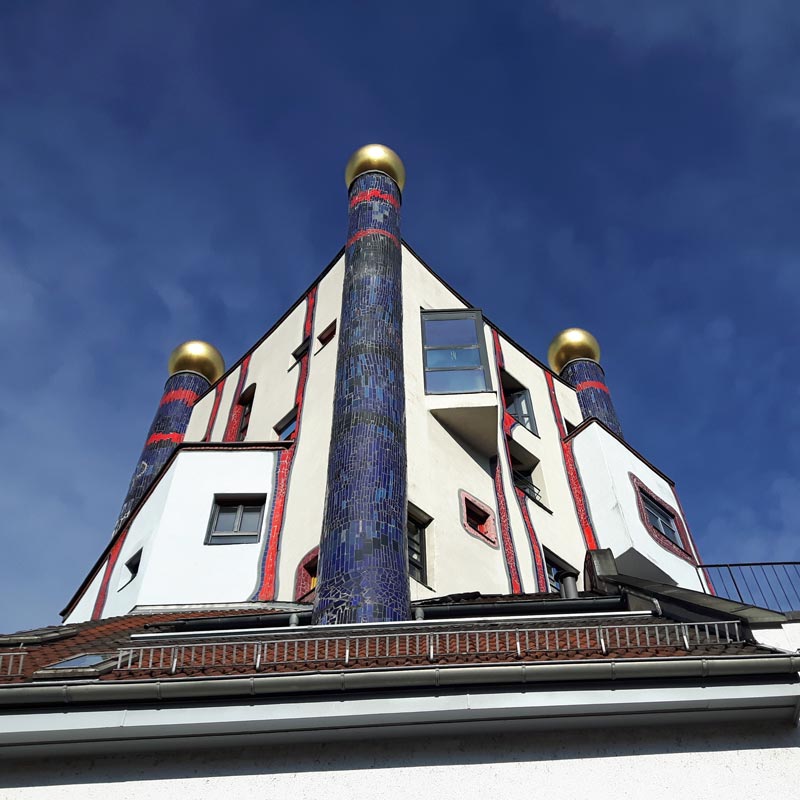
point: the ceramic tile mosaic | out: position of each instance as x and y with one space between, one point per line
363 563
167 431
589 381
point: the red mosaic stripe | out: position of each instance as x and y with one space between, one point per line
512 568
374 194
368 232
237 410
267 588
214 410
102 594
592 385
164 437
183 395
508 422
575 485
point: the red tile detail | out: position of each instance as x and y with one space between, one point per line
575 485
102 593
235 414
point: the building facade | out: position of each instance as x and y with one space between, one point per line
388 519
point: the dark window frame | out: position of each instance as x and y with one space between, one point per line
417 560
682 548
477 317
236 536
246 402
513 392
327 335
281 428
486 530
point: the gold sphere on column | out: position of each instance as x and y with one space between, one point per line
197 356
570 344
375 158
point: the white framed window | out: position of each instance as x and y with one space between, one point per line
454 352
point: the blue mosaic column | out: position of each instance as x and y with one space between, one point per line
363 559
193 366
586 376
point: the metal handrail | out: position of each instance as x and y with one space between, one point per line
767 584
331 652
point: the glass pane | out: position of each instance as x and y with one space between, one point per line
470 357
226 518
450 331
288 430
251 516
80 661
460 380
654 519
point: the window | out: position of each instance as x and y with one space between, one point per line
287 426
454 352
477 518
416 522
559 572
236 520
518 402
78 662
661 519
327 335
305 579
246 402
301 349
132 565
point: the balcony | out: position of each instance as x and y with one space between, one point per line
769 584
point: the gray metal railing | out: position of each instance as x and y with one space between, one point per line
11 664
768 584
333 652
524 483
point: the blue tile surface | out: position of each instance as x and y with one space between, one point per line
363 562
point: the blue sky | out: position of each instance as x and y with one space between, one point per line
171 170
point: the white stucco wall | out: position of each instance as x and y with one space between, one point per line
604 464
170 528
730 761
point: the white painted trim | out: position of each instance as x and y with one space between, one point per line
377 631
46 732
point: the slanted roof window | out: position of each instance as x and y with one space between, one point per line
77 662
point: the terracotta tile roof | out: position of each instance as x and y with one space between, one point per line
415 644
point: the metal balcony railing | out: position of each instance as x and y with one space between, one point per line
524 483
363 650
768 584
11 664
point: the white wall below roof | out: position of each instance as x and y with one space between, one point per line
177 567
737 760
604 464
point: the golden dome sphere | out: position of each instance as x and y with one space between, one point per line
197 356
570 344
375 158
